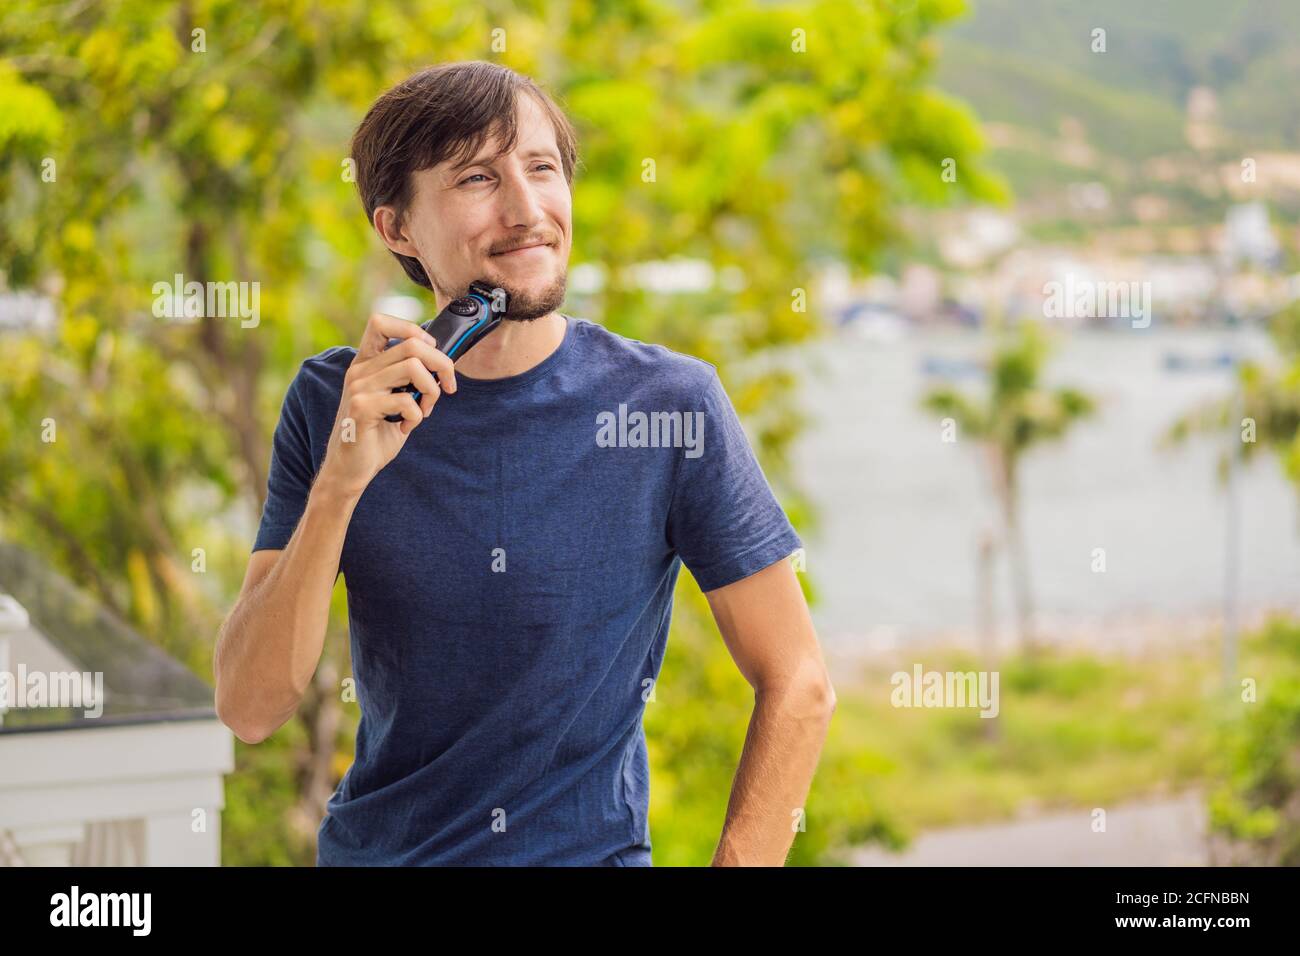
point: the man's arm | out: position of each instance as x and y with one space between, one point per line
765 623
271 642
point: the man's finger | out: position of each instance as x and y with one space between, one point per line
380 328
400 403
433 359
408 371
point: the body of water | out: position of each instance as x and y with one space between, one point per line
902 511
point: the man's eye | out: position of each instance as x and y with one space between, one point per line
468 179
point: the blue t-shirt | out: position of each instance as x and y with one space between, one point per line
509 580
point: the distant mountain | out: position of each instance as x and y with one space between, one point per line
1156 52
1029 68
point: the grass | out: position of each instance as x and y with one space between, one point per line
1073 730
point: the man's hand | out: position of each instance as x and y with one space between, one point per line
362 442
765 623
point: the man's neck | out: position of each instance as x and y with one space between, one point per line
512 348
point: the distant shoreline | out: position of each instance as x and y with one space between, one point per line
1130 634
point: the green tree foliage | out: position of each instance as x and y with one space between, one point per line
1255 801
143 139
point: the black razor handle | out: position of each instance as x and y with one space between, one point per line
459 327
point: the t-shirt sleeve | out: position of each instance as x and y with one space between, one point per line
291 474
724 521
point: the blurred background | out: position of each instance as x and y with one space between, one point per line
1007 299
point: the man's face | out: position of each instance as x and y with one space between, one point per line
467 219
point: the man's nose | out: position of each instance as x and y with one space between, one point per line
519 202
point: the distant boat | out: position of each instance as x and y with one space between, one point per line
873 322
937 366
964 315
1182 362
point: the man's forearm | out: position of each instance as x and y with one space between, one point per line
786 732
270 645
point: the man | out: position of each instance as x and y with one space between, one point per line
510 546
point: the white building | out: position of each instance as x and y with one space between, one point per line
129 776
1248 236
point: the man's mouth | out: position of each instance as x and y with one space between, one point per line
521 250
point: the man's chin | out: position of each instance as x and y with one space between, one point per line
533 300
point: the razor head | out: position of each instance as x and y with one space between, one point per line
497 298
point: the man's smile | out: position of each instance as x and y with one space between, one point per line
522 250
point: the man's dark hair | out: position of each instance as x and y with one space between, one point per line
445 111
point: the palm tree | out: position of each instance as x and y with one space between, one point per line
1268 398
1262 413
1017 413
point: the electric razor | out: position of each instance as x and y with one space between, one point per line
461 326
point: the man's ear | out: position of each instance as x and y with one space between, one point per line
392 230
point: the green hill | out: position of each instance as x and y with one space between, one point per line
1032 66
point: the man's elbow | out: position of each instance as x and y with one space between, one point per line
822 695
247 737
250 713
816 681
239 722
809 693
241 729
